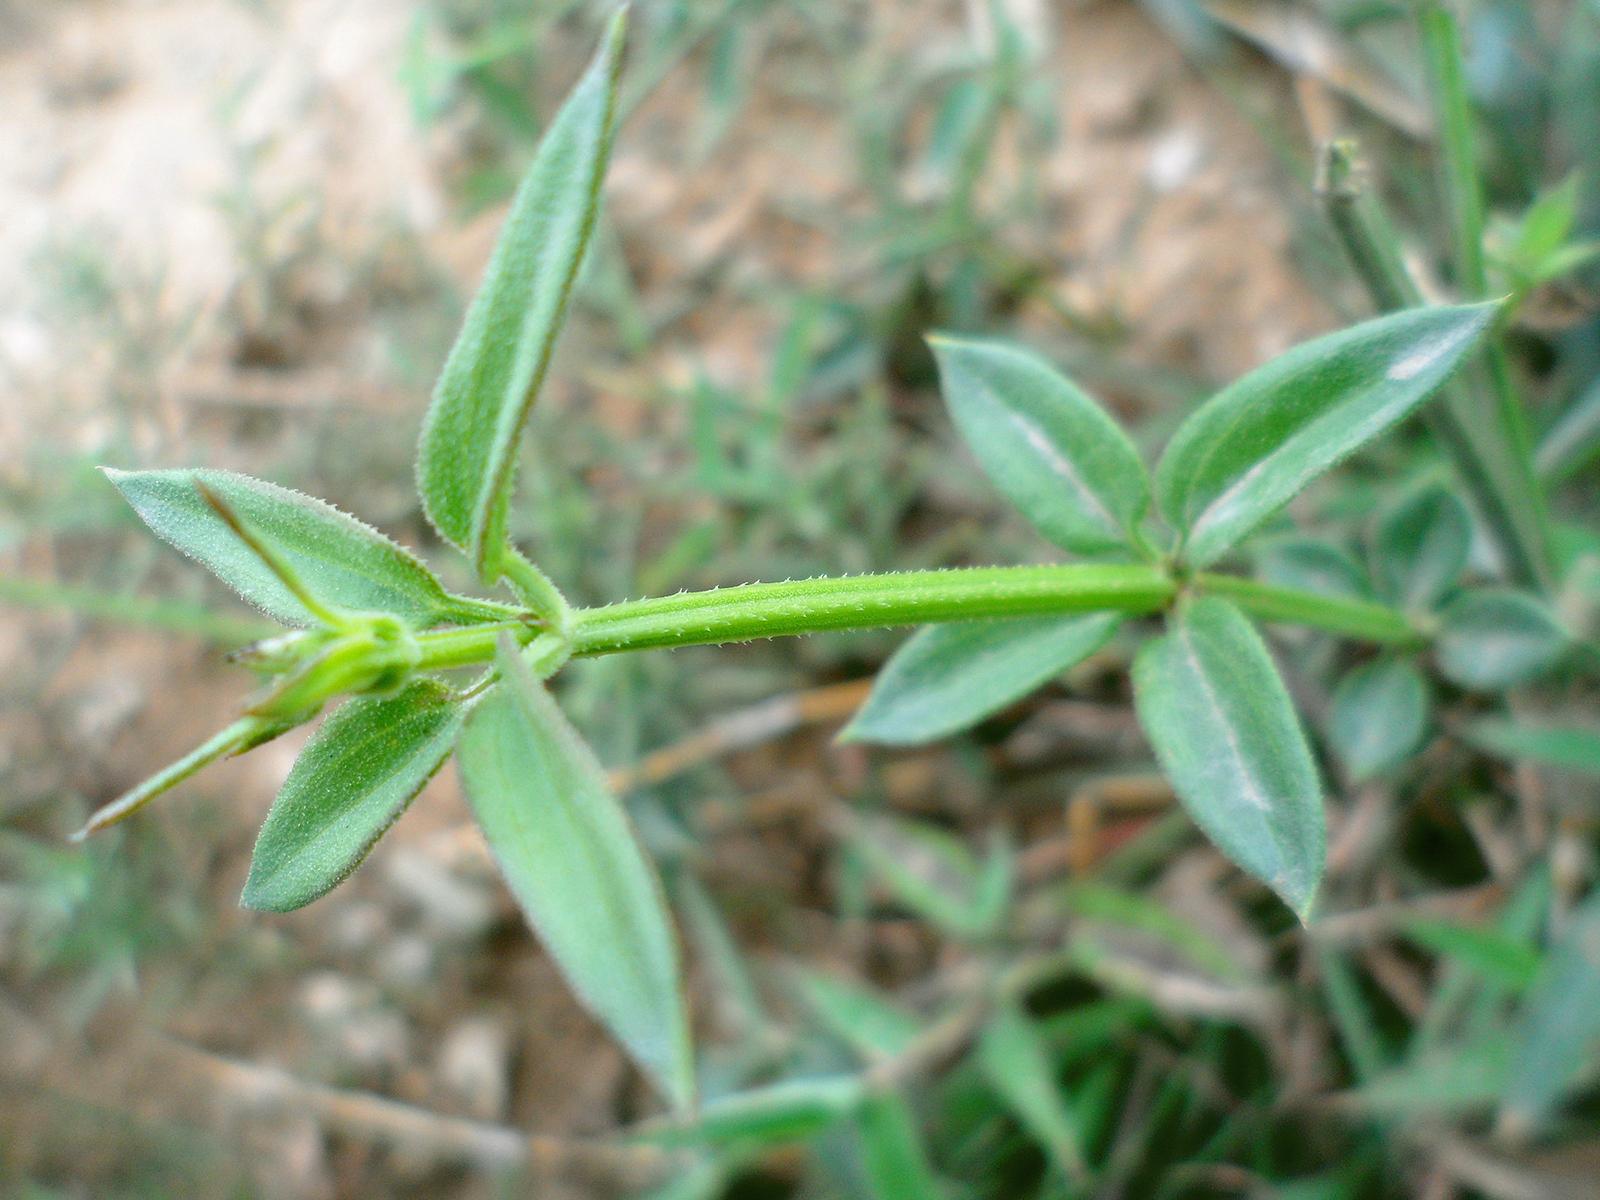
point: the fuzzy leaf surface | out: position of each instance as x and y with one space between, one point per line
1045 444
1422 547
467 455
342 560
1246 452
1378 716
1559 1029
1214 708
363 768
1494 638
947 678
567 849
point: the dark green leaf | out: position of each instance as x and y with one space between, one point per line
365 765
1016 1063
567 849
790 1111
1559 1028
1251 447
1495 638
1422 547
896 1165
342 561
1223 726
1572 747
1378 717
468 452
1045 444
949 677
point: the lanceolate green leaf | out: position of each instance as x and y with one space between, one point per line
1378 716
1050 448
1256 443
467 455
1016 1062
873 1026
892 1155
1496 638
949 677
789 1111
567 850
1422 547
341 560
1223 726
365 765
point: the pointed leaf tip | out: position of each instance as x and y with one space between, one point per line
1224 728
466 457
350 784
1249 449
569 853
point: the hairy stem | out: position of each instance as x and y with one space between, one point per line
764 610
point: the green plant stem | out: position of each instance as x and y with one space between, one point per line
1490 454
762 610
1490 376
1452 114
1335 614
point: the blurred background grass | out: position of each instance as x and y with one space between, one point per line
241 234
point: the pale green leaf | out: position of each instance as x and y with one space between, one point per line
1573 440
351 782
1571 747
1016 1063
1255 444
933 874
467 456
892 1154
566 848
1046 445
1422 546
1378 716
1491 953
871 1025
1451 1080
789 1111
341 560
1222 724
1495 638
1558 1031
1312 565
949 677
